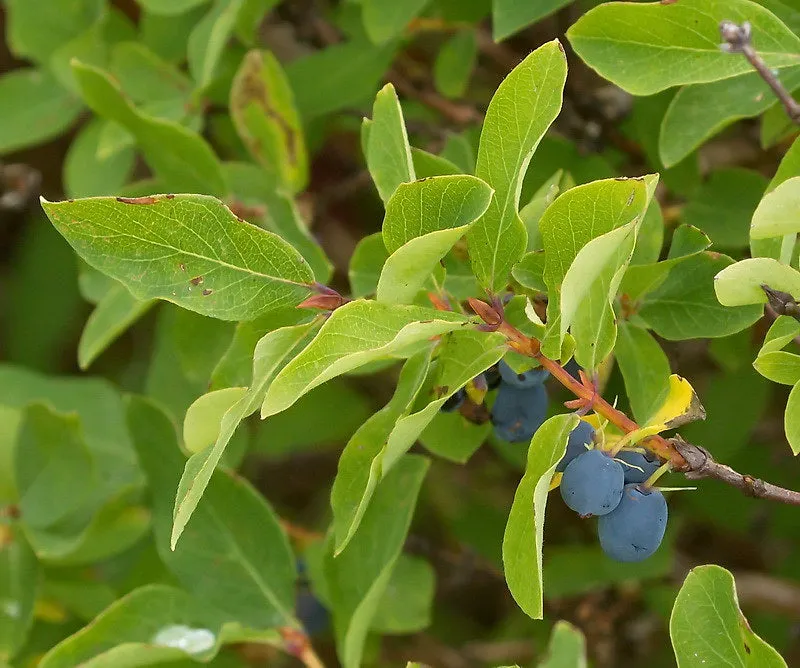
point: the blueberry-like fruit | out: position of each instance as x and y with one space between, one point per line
311 613
637 466
454 401
579 438
518 412
530 378
635 529
592 483
493 377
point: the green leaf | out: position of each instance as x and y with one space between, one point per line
354 71
263 111
645 48
208 40
357 476
168 35
19 582
521 110
54 469
684 306
366 265
388 152
271 352
781 332
532 212
234 556
454 64
145 77
511 16
170 8
789 167
567 648
779 366
198 254
428 164
651 235
115 312
385 19
451 436
779 212
89 47
201 426
699 112
36 109
706 608
86 173
529 271
791 419
358 577
177 155
645 369
356 334
407 601
522 542
740 283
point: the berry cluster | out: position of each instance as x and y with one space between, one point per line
520 406
632 515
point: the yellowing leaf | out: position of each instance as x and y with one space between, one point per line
680 406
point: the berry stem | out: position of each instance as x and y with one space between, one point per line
661 470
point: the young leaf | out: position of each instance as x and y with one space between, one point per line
177 155
740 283
19 582
356 334
567 648
115 312
511 16
779 212
706 607
201 425
385 19
791 419
454 64
645 369
358 577
645 48
521 110
779 366
234 556
522 542
271 352
198 254
388 152
208 39
263 111
428 164
366 264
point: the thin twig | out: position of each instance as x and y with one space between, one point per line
737 40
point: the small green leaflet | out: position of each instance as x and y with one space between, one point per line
366 265
357 333
523 107
779 212
522 542
791 419
567 648
708 628
19 584
208 40
740 283
384 19
188 249
511 16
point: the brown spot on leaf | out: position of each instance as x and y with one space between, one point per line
137 200
207 292
197 280
169 196
747 648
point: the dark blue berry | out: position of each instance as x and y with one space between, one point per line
635 529
529 378
493 377
311 613
579 438
518 412
637 466
454 401
592 483
572 368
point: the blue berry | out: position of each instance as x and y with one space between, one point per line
454 401
493 378
637 466
311 613
530 378
592 483
635 529
579 438
518 412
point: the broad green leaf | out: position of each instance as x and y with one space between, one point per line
89 47
208 40
700 111
36 109
684 306
706 608
740 283
521 110
160 7
182 158
356 334
53 468
428 164
385 19
198 254
567 648
405 606
34 30
779 212
459 150
263 111
19 585
511 16
454 63
351 487
453 437
366 264
388 152
524 534
86 174
529 271
791 419
354 71
779 366
647 47
532 212
271 352
650 239
645 369
358 577
145 77
115 312
234 556
201 425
